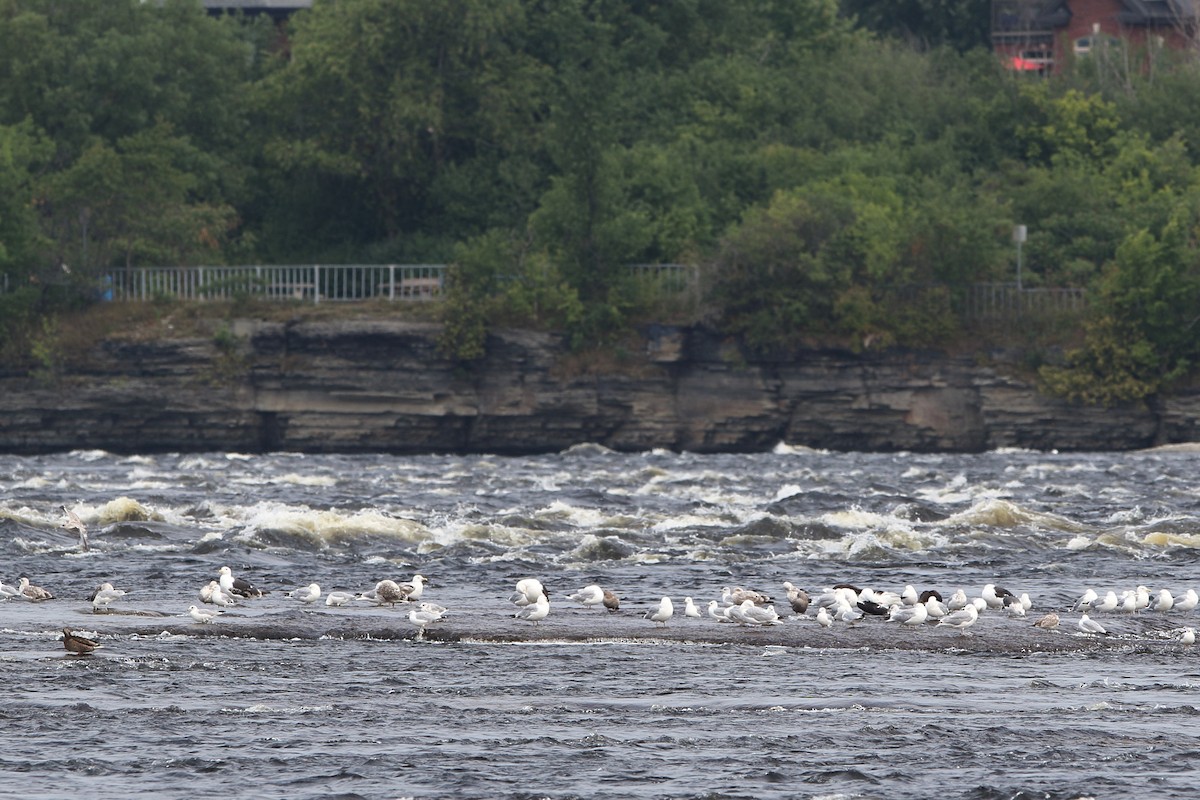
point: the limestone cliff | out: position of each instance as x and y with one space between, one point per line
380 386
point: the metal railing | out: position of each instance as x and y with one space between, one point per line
314 283
1007 300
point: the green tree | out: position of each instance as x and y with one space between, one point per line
961 24
22 152
134 204
1141 335
408 114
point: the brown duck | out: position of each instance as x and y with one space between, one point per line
79 645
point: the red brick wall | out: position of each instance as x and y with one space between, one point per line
1084 16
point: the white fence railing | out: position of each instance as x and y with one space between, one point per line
325 282
315 283
1007 300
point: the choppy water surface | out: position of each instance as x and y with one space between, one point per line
164 710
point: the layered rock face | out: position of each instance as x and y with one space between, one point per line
380 386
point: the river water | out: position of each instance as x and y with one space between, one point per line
281 699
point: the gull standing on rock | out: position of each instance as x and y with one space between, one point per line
536 611
962 619
689 609
1085 600
220 597
1164 602
104 595
797 599
909 615
1090 626
73 522
611 602
994 595
413 589
716 612
663 613
1189 601
386 591
425 614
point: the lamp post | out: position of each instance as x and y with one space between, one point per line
1019 233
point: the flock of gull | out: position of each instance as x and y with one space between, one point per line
850 604
841 603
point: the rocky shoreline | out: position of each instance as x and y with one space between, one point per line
379 385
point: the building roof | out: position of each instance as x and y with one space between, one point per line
1157 12
275 8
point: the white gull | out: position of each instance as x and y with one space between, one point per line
536 611
1189 601
663 612
104 595
962 619
309 594
338 599
528 591
1090 626
73 522
202 615
588 596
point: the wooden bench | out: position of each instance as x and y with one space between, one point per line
297 290
424 288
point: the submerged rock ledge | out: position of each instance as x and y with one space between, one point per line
994 635
380 386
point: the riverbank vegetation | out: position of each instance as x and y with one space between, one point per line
834 172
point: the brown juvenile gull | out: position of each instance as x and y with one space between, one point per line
1047 623
30 592
611 601
74 523
735 597
797 598
79 645
388 591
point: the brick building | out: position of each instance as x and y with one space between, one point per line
1042 34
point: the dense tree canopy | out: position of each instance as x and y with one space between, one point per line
833 169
